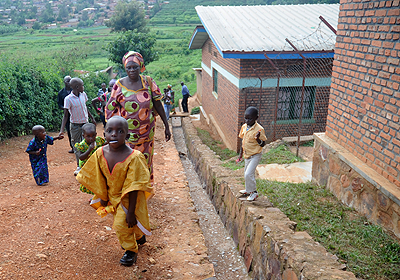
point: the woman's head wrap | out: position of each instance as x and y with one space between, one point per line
135 57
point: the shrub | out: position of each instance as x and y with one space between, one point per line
28 93
195 110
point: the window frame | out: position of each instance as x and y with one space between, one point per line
293 104
215 82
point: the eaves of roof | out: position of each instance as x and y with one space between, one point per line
235 39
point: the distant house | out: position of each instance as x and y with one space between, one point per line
246 60
52 26
89 10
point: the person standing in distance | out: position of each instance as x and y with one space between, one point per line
185 97
103 90
60 101
75 105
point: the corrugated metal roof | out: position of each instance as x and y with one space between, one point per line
265 28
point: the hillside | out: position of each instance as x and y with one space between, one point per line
183 11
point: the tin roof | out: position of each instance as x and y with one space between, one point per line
252 31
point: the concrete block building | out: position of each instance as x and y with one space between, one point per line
358 156
277 58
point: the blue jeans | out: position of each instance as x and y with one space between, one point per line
167 109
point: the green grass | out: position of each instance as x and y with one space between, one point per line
47 43
195 110
281 155
366 249
174 65
308 144
215 145
231 164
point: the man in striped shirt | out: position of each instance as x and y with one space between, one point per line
75 105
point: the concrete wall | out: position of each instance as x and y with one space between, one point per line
199 84
265 237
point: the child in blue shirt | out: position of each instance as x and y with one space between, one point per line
37 150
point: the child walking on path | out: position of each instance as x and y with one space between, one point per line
168 99
37 150
253 139
75 105
90 143
119 176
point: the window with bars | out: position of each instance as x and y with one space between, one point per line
289 103
215 81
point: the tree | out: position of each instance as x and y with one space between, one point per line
62 12
47 15
132 41
36 26
128 16
21 20
85 15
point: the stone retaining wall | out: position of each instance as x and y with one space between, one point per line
355 183
265 237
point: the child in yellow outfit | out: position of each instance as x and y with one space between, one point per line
119 176
253 140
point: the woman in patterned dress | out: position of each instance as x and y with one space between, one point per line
136 98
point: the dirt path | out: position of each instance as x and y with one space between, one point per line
50 232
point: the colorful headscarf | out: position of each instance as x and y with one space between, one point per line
135 57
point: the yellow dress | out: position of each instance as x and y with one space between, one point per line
132 174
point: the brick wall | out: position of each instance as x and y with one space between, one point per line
228 109
363 112
224 109
267 111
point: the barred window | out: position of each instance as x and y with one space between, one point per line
215 81
289 103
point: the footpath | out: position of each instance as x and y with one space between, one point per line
51 232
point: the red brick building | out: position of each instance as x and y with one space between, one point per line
249 61
358 156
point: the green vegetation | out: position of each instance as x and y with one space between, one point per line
25 98
28 93
215 145
82 46
9 28
281 155
366 249
308 144
132 40
128 16
195 110
175 61
231 164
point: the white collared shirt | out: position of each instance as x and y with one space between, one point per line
77 107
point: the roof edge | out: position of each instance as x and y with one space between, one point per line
195 38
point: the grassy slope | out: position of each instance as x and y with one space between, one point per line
368 251
48 42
